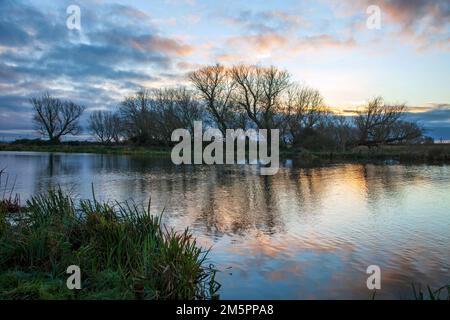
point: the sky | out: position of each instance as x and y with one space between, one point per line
122 46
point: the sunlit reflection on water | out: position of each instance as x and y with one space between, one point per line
303 233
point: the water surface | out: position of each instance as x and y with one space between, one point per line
301 234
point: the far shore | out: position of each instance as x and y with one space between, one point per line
87 147
426 153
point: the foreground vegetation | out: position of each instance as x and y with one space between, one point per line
122 250
442 293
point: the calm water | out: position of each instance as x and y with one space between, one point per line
303 233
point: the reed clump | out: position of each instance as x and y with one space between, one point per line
123 252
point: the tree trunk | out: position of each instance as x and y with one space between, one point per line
54 140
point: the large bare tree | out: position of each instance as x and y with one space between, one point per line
175 108
381 123
138 115
305 110
106 126
55 118
150 116
215 88
259 92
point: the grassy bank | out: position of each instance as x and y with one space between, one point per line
88 148
402 153
437 153
123 252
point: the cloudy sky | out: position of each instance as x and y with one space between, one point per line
125 45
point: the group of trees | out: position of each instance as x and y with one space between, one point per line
150 116
241 96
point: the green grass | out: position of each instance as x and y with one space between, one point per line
89 148
434 153
437 153
123 251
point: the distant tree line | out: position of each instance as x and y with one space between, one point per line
240 96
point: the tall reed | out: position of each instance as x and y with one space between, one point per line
123 252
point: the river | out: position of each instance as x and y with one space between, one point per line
304 233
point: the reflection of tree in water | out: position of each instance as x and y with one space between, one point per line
109 163
235 202
52 168
220 199
387 182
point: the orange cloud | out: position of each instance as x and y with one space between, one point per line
248 47
266 41
166 45
423 23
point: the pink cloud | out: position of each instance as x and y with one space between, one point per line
166 45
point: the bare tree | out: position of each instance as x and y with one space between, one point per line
188 109
138 115
106 126
380 123
259 92
215 88
175 108
342 131
404 132
305 110
150 116
55 118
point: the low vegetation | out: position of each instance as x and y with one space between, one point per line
433 153
442 293
38 145
420 153
123 251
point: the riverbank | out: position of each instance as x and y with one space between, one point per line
402 153
123 252
88 148
436 153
